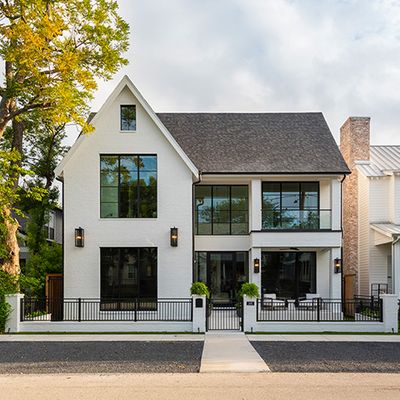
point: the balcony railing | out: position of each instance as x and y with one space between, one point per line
295 219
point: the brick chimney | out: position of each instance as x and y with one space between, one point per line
354 145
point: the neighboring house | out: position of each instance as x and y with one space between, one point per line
154 202
53 232
371 210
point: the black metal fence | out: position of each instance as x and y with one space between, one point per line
320 310
83 309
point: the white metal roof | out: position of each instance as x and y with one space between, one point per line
387 228
384 160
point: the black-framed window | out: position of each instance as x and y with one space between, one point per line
128 273
128 186
291 205
222 209
290 275
128 117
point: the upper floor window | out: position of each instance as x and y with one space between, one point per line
291 205
221 210
128 186
128 118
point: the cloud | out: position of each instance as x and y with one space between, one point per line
338 57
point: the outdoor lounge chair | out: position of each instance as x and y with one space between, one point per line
310 302
270 301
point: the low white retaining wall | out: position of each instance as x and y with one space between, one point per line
389 324
198 323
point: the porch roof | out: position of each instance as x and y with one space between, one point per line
388 228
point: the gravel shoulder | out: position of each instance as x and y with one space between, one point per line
99 357
330 356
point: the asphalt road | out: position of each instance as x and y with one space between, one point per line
224 386
330 356
99 357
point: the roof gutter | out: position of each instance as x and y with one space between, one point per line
279 173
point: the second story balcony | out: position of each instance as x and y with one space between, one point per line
296 219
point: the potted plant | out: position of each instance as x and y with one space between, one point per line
247 289
200 289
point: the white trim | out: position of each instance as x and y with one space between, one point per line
126 82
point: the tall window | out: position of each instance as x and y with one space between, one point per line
128 273
291 205
128 118
221 210
289 275
128 186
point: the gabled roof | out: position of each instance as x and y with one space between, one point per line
126 82
387 228
384 160
265 143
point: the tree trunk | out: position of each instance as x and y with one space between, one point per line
11 262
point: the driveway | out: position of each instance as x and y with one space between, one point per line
330 356
99 357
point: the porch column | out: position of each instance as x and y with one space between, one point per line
256 205
335 282
336 200
396 267
255 252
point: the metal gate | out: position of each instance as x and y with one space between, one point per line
224 316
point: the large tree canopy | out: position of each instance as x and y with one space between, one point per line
54 50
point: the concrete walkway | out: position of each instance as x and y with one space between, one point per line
230 352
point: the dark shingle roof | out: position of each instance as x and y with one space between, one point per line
256 142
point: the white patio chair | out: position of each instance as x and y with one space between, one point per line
270 301
310 302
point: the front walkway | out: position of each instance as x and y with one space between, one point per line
230 352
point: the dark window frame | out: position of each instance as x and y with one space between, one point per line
137 211
120 117
212 211
318 208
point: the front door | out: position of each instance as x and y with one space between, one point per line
223 272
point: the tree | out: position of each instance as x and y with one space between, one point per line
54 50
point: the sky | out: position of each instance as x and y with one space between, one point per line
340 57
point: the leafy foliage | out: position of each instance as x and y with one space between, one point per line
200 289
7 286
54 51
250 290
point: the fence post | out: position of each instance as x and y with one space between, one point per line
79 309
14 319
249 316
390 312
199 313
136 307
318 309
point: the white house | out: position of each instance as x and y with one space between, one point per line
371 210
252 197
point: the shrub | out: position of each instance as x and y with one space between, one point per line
8 285
250 290
200 289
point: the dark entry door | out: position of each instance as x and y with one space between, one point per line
223 272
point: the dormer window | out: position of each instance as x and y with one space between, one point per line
128 118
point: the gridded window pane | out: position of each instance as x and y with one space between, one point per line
290 195
271 196
203 210
239 222
309 195
134 178
239 198
128 118
109 210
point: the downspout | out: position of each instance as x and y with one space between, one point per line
394 286
341 228
193 222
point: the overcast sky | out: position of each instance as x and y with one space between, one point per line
340 57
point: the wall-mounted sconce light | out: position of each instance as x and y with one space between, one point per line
256 263
338 265
79 237
174 237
